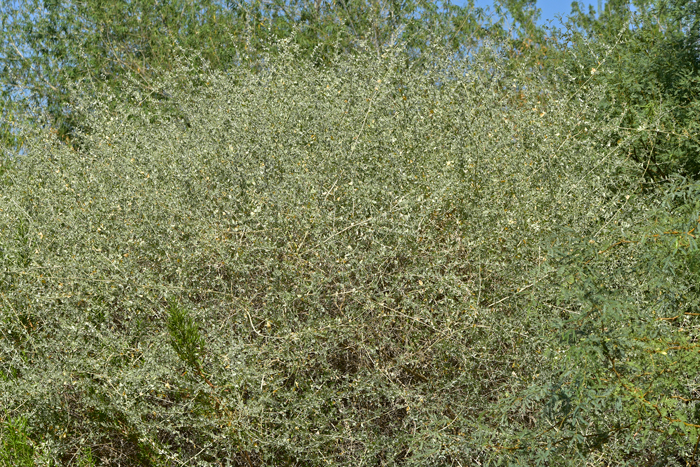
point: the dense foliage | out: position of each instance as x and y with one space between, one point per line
368 262
351 233
652 71
46 45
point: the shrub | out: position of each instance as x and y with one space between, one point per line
367 262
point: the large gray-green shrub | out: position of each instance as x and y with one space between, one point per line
361 264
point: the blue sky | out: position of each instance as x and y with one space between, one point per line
550 8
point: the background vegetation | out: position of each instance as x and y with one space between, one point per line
389 249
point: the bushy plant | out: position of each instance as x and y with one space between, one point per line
647 54
17 449
370 262
45 45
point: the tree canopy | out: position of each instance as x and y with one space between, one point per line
47 44
649 56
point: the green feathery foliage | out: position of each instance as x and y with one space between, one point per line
650 62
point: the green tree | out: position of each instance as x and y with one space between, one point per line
649 57
47 44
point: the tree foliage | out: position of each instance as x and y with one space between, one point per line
45 45
652 63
